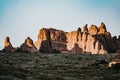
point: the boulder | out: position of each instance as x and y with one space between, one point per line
28 46
114 65
8 46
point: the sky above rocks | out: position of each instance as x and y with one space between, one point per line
22 18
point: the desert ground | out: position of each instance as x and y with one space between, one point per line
41 66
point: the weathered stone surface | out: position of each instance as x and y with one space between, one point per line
8 46
28 46
85 29
116 42
72 42
114 64
94 41
93 30
79 30
50 40
102 28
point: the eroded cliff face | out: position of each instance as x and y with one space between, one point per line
93 40
51 40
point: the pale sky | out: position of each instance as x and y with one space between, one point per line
22 18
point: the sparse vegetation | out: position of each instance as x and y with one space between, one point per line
26 66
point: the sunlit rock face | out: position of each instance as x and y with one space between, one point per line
51 40
93 30
43 41
73 39
8 46
28 46
94 41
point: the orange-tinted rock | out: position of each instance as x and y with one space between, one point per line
28 46
102 28
50 40
8 46
73 39
94 41
93 30
43 43
85 29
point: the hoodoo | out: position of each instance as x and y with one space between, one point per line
8 46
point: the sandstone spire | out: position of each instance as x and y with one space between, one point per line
85 29
28 46
8 46
102 28
93 30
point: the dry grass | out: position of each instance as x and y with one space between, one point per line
57 66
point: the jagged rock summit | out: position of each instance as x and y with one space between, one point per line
93 40
28 46
8 46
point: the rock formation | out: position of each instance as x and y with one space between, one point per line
93 30
85 29
50 40
8 46
28 46
95 40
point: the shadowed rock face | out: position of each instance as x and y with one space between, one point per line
8 46
28 46
43 43
50 40
95 41
85 29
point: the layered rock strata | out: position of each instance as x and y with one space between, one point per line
95 40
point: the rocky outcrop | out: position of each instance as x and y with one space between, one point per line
115 64
93 30
43 43
85 29
73 39
51 40
102 29
28 46
95 40
8 46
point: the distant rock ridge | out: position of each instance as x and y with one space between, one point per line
92 40
95 40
